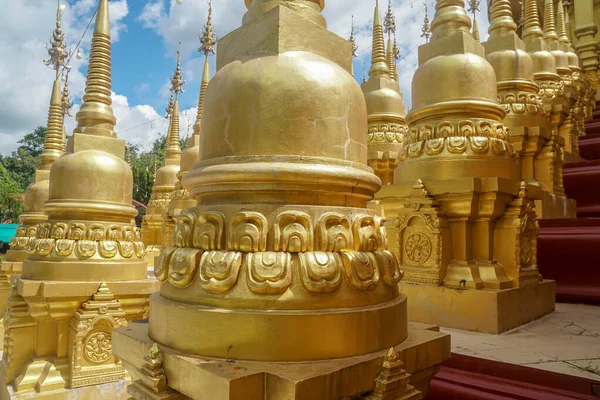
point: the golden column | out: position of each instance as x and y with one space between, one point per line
280 248
550 160
165 178
464 220
37 193
180 197
385 105
84 274
525 118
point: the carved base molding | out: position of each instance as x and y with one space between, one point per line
487 311
346 378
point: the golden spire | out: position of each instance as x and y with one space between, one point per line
426 29
549 21
208 41
96 117
502 19
54 140
562 27
474 8
390 29
66 107
353 40
521 24
566 5
379 64
173 145
532 27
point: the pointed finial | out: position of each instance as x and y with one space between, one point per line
177 79
54 140
208 39
521 24
353 40
173 146
426 29
170 105
549 21
379 64
562 27
389 23
567 5
474 8
57 51
154 173
67 104
364 78
502 19
96 117
532 27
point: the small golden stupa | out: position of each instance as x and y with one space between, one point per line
165 178
180 197
280 247
54 146
385 105
554 203
526 118
85 272
464 220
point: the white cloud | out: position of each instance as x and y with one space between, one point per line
25 82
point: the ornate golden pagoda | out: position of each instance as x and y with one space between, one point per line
464 228
385 105
573 125
555 203
281 246
85 272
37 193
180 197
165 178
526 118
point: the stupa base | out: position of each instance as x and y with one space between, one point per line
487 311
113 390
151 253
553 206
218 379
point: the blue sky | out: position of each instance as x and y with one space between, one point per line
145 37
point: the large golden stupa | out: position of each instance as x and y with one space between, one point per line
280 266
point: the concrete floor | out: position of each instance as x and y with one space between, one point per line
566 341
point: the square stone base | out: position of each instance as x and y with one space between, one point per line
488 311
553 206
217 379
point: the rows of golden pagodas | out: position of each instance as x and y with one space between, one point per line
306 221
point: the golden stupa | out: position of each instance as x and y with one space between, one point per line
85 272
180 197
526 118
463 219
279 283
385 105
165 178
37 193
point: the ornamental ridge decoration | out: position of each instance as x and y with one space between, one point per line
386 133
215 250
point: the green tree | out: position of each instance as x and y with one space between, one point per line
23 162
11 203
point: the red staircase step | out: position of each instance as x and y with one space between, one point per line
581 182
569 253
589 146
471 378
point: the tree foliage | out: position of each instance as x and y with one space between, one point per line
11 204
17 171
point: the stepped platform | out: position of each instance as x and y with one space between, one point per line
556 357
569 253
582 180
